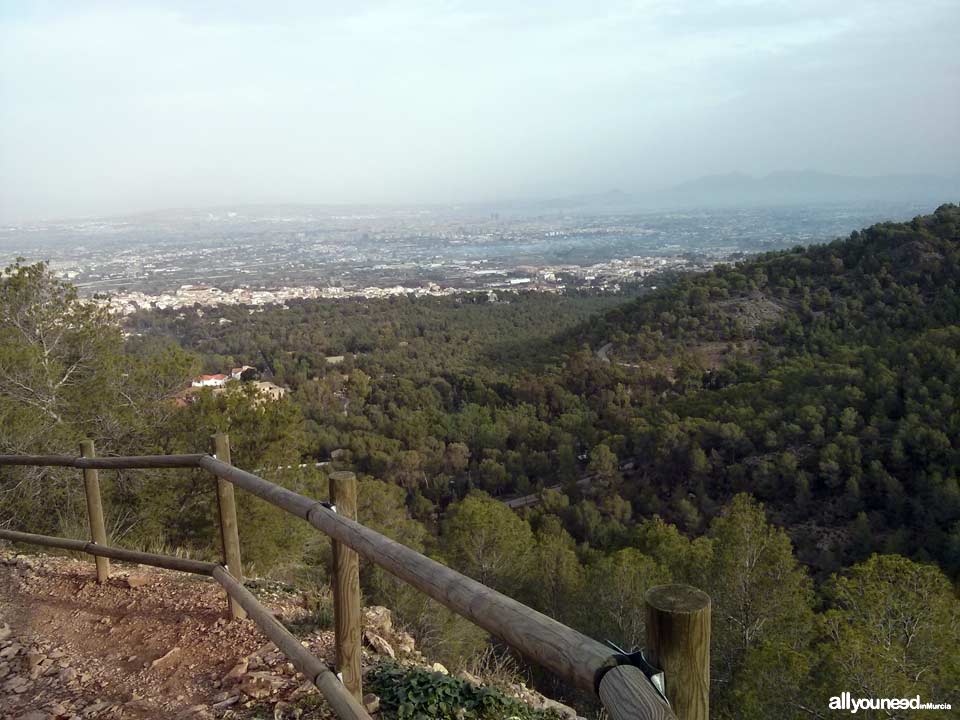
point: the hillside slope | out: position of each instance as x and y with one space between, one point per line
823 380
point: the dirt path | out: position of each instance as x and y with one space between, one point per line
147 644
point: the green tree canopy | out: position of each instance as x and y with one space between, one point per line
892 630
762 597
486 540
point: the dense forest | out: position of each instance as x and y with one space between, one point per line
822 381
782 432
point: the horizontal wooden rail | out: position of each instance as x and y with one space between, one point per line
627 694
572 656
142 462
197 567
342 702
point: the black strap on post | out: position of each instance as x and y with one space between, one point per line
638 660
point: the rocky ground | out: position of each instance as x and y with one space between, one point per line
151 643
147 644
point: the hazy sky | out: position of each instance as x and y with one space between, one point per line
123 106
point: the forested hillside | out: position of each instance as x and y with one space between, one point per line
823 381
782 432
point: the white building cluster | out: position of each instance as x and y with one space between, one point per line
218 382
605 276
186 296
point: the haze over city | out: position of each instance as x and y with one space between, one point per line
108 109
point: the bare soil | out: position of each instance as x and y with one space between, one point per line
158 646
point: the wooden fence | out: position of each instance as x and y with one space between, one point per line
678 617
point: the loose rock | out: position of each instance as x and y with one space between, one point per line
405 643
168 660
371 703
378 618
135 581
380 645
260 684
236 672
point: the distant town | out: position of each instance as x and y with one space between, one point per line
602 277
272 255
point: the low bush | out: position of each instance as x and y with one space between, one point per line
415 694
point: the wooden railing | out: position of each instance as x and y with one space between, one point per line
678 617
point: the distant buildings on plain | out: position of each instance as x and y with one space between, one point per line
605 277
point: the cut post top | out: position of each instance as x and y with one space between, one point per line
677 599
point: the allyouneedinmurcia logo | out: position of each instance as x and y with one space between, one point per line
845 701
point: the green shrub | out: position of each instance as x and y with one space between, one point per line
415 694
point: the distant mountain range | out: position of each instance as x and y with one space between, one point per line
778 188
788 188
730 190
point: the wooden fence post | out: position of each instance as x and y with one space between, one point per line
346 587
678 640
229 532
91 488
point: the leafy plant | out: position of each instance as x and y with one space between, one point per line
415 694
